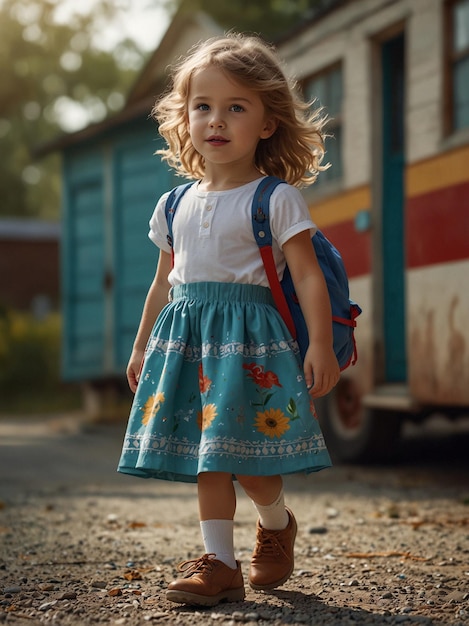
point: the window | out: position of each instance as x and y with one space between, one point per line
457 28
327 89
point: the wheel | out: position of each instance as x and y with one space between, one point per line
355 433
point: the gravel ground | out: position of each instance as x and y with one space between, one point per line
80 544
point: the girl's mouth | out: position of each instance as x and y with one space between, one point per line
216 140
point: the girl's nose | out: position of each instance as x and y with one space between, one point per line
217 122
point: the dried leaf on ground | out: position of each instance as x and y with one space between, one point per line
390 553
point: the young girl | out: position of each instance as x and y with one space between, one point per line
220 393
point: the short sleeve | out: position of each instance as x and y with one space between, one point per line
158 232
289 214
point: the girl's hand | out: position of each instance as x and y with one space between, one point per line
320 364
134 368
321 369
156 299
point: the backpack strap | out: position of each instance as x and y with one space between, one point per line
263 237
172 204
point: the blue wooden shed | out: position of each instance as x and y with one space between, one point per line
111 182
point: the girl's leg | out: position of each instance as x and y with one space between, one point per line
217 498
217 505
266 492
215 576
273 558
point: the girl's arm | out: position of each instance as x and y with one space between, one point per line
320 364
156 299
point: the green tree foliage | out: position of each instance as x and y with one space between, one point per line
47 67
270 18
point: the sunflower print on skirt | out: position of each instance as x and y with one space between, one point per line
271 422
151 407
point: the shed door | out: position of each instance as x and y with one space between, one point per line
83 268
392 61
140 179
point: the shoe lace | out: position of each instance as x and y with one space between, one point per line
268 543
202 565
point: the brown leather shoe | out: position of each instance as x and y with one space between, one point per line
273 558
206 582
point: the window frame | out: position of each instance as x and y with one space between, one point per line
333 123
450 59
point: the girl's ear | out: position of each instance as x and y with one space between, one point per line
270 126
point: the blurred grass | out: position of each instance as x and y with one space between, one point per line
30 379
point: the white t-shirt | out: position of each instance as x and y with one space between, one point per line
213 236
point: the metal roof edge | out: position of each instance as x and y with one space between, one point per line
29 228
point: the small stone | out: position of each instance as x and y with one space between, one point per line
68 595
456 596
353 583
304 572
387 596
99 584
12 589
252 616
47 605
317 530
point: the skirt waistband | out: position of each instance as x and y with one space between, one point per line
228 292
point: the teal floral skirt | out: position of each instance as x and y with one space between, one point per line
221 390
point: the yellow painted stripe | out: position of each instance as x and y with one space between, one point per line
445 170
340 208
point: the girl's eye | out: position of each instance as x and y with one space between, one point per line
203 107
237 108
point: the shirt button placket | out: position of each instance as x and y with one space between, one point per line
206 222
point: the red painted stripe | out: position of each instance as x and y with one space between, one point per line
437 226
437 231
354 247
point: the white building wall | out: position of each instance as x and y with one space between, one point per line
424 119
353 35
349 35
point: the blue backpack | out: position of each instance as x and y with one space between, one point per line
344 310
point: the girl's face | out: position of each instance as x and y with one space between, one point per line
226 120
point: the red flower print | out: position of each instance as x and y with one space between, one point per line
204 381
266 380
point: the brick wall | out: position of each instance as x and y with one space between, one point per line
29 266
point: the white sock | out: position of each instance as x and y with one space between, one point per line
217 535
273 516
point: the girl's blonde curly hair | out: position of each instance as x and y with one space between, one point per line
294 152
